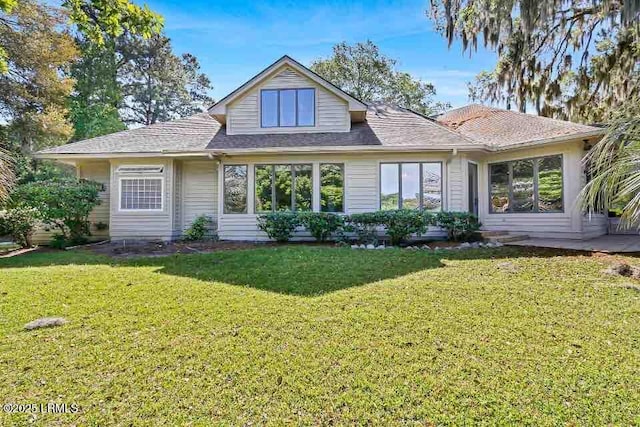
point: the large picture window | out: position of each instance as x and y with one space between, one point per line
411 186
141 194
283 187
235 189
527 185
287 107
331 187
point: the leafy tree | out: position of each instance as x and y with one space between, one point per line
6 6
103 20
19 223
34 90
365 73
570 59
65 205
97 93
158 85
614 165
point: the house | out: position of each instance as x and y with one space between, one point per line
517 172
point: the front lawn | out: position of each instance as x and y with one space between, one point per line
319 335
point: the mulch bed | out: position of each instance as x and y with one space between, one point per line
147 249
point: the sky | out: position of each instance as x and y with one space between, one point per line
234 40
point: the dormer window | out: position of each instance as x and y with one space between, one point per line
287 107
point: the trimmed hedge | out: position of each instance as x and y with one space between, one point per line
398 224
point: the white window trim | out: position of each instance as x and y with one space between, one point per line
126 170
120 179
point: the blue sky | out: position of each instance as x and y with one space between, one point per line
236 39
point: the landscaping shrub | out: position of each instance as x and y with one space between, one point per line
279 225
400 224
321 225
64 204
198 230
459 225
365 226
19 223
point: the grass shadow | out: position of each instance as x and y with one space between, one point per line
289 269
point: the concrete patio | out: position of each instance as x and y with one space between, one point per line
608 243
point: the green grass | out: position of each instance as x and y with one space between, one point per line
312 335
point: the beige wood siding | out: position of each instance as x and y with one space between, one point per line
594 226
362 186
143 225
178 201
332 112
199 191
455 184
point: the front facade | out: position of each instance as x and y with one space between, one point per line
289 140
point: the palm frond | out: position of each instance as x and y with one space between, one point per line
614 164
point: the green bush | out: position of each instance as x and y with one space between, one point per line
63 204
279 225
19 223
365 226
459 225
198 230
400 224
321 225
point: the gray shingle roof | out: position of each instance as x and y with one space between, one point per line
502 128
386 126
189 134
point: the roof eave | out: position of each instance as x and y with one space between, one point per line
558 139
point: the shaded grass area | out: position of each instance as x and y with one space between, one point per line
318 335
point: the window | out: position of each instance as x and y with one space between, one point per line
235 189
144 194
411 186
526 186
287 107
283 187
331 187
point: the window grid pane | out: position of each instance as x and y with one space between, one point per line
269 108
283 187
527 185
287 107
389 186
411 186
235 189
432 186
141 194
331 188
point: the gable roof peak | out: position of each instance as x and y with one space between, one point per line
218 110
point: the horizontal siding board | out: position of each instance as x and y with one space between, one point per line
332 112
200 188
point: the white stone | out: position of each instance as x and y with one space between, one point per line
498 244
465 245
45 322
426 247
380 247
370 246
355 247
